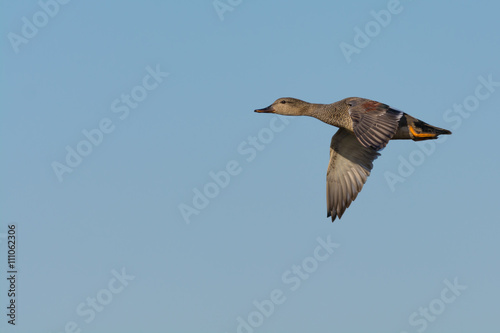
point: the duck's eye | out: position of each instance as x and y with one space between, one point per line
283 102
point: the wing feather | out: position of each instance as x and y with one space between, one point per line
374 123
349 167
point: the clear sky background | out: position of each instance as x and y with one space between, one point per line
426 219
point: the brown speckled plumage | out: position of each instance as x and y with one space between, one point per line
366 126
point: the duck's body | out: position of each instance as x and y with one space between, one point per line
366 126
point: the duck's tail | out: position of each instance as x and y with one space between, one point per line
417 130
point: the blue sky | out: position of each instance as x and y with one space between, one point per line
118 115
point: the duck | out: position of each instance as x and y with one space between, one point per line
365 128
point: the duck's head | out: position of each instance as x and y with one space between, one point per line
287 106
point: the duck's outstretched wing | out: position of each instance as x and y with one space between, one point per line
349 167
374 123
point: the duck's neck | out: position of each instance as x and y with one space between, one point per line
325 113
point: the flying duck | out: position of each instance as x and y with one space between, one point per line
365 127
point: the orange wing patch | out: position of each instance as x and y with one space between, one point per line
371 106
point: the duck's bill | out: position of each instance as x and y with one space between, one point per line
269 109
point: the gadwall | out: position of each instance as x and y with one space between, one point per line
365 127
